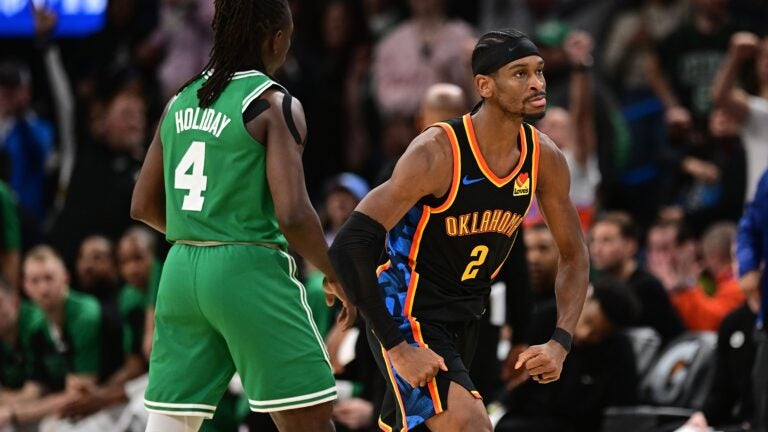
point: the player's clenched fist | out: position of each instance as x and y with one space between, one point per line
416 365
543 362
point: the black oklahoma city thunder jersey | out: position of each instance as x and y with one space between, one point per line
444 253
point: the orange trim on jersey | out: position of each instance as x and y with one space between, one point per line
498 269
383 426
382 268
396 389
456 151
499 182
416 331
415 243
432 384
534 168
410 294
534 177
476 394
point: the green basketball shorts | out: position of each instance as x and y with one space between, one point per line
228 308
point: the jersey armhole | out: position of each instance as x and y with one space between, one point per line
253 106
258 91
444 202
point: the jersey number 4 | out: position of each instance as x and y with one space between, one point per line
196 182
480 253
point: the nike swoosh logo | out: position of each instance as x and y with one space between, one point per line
468 181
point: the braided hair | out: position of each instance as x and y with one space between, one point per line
240 27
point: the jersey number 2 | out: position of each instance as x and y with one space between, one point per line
196 182
480 253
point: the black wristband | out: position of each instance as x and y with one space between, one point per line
563 338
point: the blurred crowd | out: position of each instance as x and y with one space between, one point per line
660 108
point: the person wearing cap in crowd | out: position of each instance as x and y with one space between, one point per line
449 216
342 193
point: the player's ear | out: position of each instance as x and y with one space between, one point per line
485 85
277 40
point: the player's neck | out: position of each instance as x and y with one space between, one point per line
496 132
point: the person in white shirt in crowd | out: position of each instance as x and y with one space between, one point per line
750 109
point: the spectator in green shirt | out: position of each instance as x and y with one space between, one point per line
28 358
140 269
123 314
73 320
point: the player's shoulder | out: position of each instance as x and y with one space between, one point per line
277 96
544 139
433 144
275 108
427 162
547 146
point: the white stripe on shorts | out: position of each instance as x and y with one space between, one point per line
293 399
203 414
180 405
298 405
303 294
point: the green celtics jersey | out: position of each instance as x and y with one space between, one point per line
215 173
80 342
26 359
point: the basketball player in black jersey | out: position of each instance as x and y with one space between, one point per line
448 217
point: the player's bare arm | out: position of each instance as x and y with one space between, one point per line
285 138
425 169
545 362
148 202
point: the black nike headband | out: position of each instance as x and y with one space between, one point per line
488 58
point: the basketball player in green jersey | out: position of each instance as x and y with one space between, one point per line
223 179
